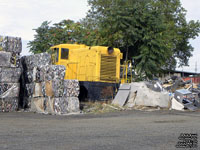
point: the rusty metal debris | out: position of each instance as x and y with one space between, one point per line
174 93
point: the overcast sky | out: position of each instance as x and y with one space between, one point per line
19 17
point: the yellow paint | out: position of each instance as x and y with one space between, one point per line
125 67
89 63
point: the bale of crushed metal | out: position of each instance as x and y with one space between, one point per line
15 59
35 90
34 75
38 105
29 76
73 105
8 104
49 105
54 88
9 59
53 76
26 102
147 97
44 86
38 90
5 59
54 105
43 81
4 87
52 72
9 90
59 105
10 44
71 88
10 72
28 90
44 73
42 59
10 75
62 105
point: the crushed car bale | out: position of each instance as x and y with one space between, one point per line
45 89
10 73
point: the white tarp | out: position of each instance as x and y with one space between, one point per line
177 105
141 95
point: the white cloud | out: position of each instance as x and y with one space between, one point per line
192 7
20 17
193 13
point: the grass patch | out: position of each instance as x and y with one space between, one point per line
99 107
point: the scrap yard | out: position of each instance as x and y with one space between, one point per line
99 75
45 83
130 115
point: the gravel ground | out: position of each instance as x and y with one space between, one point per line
125 130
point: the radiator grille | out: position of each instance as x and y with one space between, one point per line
108 68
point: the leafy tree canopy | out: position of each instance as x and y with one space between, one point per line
66 31
154 33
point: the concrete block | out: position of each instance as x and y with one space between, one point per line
122 95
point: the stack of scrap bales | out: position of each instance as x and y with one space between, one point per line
31 64
71 92
10 72
46 91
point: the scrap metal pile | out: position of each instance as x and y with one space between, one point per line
10 72
174 93
185 94
45 89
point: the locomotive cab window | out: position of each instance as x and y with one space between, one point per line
64 53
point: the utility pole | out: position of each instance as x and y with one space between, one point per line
196 67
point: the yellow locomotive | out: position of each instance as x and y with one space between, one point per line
97 68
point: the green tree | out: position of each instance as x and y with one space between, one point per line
154 33
179 29
66 31
42 39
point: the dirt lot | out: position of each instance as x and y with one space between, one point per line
125 130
